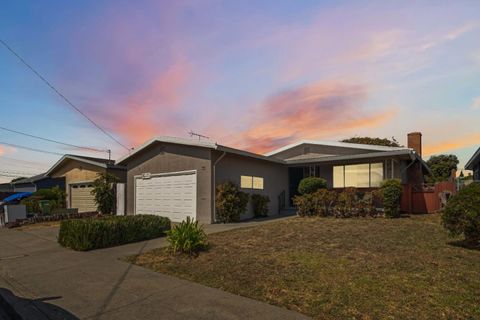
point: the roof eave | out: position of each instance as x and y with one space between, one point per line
473 160
361 156
336 144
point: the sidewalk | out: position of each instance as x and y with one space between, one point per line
96 285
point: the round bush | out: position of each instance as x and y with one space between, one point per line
311 184
462 213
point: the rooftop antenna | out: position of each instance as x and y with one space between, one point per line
200 136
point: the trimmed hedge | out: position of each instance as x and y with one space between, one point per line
95 233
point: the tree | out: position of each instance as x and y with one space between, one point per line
374 141
441 167
104 192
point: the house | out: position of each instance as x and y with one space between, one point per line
176 177
474 165
35 183
79 172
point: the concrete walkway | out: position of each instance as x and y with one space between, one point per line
43 277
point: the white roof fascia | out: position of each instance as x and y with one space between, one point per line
335 144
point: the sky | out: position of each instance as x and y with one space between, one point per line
254 75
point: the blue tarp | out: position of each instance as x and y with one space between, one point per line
17 196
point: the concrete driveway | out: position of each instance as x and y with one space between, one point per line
64 284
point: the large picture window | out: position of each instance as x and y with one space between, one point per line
363 175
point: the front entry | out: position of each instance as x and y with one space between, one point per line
295 175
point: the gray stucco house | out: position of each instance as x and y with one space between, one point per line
176 177
474 165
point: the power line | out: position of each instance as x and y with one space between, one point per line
54 141
61 95
31 149
18 172
2 157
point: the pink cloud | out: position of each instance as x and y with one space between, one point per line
310 112
151 110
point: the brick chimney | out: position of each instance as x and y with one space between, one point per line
415 142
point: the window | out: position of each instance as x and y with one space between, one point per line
338 178
258 183
249 182
246 182
358 175
376 174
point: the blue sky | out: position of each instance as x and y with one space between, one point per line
249 74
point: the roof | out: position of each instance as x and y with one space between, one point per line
334 144
196 143
31 179
99 162
475 159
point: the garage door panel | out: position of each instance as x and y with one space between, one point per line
82 198
172 196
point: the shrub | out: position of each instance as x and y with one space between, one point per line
52 199
187 237
319 203
462 213
104 192
311 184
260 205
230 202
94 233
392 193
346 203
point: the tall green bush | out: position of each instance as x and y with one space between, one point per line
230 202
311 184
104 192
94 233
392 194
187 237
462 213
260 205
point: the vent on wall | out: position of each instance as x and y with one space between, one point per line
306 150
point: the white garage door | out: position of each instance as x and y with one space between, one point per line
81 197
167 195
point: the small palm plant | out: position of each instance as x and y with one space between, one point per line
187 237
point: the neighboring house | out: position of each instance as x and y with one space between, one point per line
35 183
474 165
79 172
177 177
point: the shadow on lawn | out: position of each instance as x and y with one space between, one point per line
14 307
469 245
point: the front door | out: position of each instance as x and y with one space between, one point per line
295 175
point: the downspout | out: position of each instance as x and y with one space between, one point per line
214 186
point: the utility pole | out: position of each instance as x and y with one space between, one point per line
109 154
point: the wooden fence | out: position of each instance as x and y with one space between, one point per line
426 198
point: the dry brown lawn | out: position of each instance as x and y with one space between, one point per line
330 268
